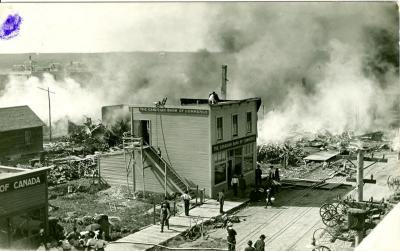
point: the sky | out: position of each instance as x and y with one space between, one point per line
96 27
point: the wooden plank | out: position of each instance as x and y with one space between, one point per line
322 156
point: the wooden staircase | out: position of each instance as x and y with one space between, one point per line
159 162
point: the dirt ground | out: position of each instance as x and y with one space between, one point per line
128 215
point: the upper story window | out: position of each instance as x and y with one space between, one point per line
249 123
235 128
27 137
220 134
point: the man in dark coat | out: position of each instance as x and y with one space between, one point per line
260 244
164 216
250 246
277 175
221 200
231 238
242 185
258 176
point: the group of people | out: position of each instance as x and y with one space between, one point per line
231 239
76 241
165 211
267 189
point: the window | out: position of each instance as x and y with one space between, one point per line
27 137
248 158
249 122
219 128
235 128
220 173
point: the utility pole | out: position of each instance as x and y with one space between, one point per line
165 178
48 96
360 186
360 175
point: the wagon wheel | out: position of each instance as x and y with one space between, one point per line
327 209
341 208
321 248
329 220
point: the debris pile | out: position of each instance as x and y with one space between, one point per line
287 154
72 168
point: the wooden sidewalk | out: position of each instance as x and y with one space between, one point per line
151 235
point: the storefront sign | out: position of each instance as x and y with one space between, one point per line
21 183
233 143
173 110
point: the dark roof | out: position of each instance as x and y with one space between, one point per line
18 117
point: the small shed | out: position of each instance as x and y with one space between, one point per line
21 132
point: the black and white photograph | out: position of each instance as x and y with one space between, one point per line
199 126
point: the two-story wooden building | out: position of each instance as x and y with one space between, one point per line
196 144
21 132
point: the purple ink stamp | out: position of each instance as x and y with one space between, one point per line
10 27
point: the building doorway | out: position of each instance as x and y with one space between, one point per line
230 173
145 132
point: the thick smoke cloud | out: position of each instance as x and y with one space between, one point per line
318 66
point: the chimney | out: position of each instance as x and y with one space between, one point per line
223 82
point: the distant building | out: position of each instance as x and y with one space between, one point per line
21 132
199 144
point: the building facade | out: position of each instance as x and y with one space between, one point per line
21 132
196 144
23 207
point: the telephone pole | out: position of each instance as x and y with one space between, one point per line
48 96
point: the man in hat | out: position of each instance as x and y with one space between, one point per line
249 246
186 200
260 244
231 238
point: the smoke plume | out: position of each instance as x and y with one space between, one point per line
317 66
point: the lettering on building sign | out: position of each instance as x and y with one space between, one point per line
233 143
21 183
173 110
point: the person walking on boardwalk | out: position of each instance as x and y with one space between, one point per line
231 238
258 176
221 200
235 185
164 216
186 201
250 246
260 244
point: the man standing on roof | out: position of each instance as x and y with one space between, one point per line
186 201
